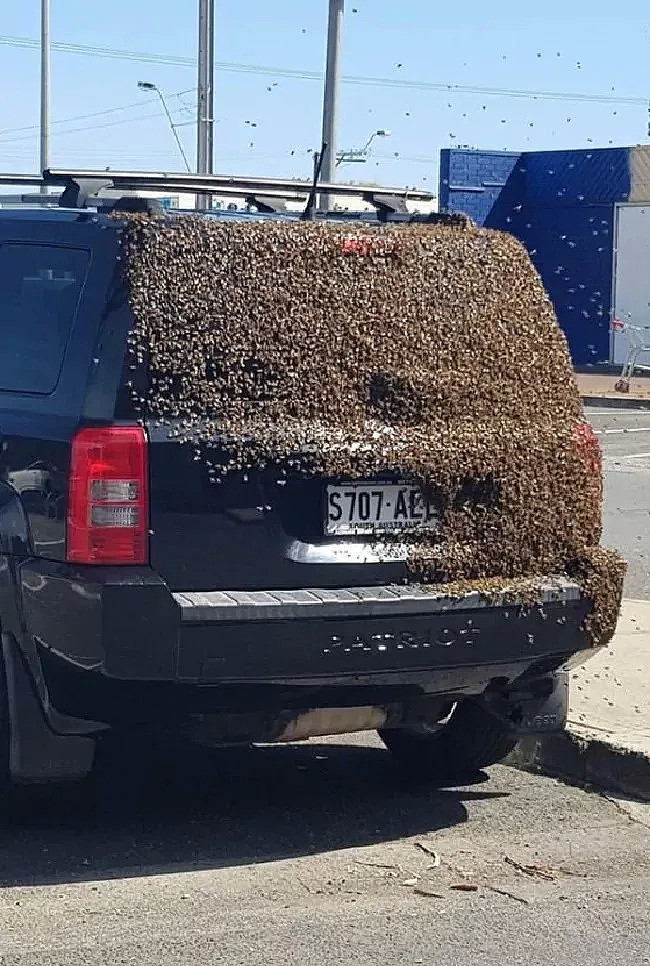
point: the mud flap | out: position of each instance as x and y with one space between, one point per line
36 753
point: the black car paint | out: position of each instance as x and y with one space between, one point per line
38 428
91 647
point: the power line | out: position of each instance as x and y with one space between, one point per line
294 74
112 52
80 117
92 127
498 91
33 129
109 110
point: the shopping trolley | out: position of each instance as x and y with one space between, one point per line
638 338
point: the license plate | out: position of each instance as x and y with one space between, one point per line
359 508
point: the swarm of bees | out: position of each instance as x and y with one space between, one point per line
426 353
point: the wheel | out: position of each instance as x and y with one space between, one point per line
469 740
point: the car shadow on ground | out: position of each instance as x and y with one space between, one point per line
200 809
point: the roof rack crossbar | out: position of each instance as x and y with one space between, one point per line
212 184
263 194
388 207
77 191
267 204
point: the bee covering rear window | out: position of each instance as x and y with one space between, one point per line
429 352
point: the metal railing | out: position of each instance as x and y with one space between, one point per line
638 338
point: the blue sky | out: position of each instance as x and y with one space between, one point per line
583 46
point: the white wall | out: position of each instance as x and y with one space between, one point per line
631 273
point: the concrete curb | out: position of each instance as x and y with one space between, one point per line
616 402
585 761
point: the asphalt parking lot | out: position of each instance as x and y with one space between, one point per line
321 853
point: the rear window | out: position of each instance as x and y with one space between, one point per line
40 287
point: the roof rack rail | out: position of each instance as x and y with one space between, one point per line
102 191
36 200
213 183
83 187
258 192
32 180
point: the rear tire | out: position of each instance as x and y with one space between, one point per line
471 740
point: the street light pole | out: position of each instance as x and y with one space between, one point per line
148 86
205 104
381 133
331 94
360 155
45 88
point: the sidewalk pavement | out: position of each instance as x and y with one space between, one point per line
607 741
597 389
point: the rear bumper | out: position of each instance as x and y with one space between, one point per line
101 640
370 633
102 648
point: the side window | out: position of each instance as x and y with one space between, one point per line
40 287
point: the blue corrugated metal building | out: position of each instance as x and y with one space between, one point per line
563 205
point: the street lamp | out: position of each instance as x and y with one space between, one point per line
381 133
360 155
148 86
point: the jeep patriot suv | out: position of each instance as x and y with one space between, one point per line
421 567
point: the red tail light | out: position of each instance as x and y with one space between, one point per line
108 503
588 446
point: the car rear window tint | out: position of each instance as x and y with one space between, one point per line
40 287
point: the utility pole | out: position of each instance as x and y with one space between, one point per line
205 105
45 88
331 94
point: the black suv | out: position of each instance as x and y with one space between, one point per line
136 597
